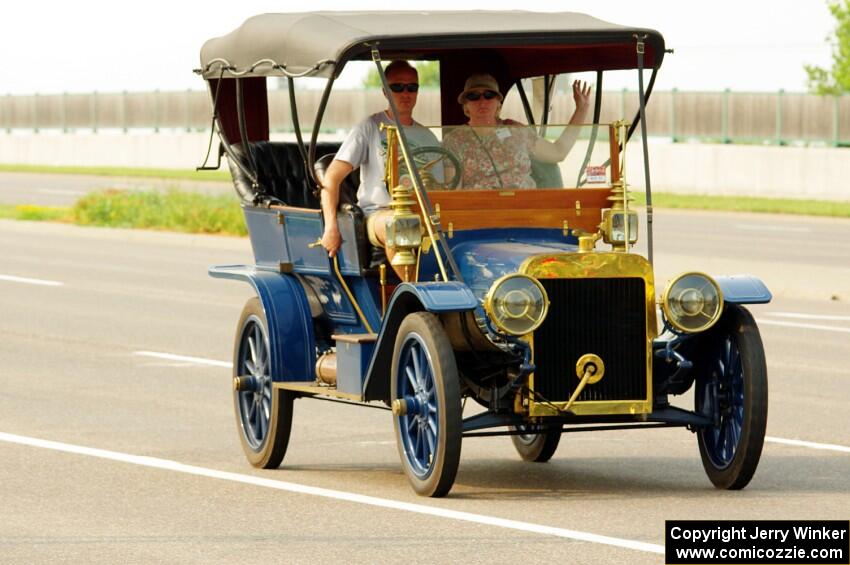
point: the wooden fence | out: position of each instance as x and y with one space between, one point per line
742 117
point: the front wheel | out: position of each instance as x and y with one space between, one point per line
263 413
533 445
733 392
426 404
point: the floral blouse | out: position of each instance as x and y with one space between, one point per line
480 149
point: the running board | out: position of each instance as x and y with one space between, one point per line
316 390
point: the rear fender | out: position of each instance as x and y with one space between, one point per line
291 338
436 297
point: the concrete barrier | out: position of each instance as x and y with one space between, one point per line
683 168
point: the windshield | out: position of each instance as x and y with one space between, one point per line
510 156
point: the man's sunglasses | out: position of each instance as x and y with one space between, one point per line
487 95
401 87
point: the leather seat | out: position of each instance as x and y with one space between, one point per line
281 173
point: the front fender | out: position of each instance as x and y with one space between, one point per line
743 289
436 297
291 338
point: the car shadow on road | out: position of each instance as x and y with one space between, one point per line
643 477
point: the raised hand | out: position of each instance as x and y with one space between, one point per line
581 95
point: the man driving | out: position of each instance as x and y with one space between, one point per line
366 148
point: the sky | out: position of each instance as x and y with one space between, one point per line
91 45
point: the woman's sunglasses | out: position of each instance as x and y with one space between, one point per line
487 95
401 87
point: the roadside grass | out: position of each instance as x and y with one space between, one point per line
173 210
747 204
169 210
182 174
32 212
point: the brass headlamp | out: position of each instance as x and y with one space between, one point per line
692 302
516 304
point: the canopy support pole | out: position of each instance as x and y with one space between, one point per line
314 137
225 144
529 114
243 133
296 125
203 166
597 110
640 52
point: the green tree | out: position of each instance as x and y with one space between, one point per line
835 80
429 75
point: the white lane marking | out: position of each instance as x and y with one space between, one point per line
25 280
802 326
169 465
184 358
809 444
795 229
800 316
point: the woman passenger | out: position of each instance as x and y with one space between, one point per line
500 157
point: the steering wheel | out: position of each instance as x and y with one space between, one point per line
427 157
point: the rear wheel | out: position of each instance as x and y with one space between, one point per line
733 392
534 445
426 404
263 413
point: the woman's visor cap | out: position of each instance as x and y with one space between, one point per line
479 81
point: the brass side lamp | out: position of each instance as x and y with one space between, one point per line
615 229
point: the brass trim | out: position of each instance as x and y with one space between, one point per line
355 338
399 407
391 165
594 359
382 280
488 302
451 230
591 408
285 267
665 303
402 206
417 190
587 242
351 297
241 383
602 264
281 218
318 391
326 368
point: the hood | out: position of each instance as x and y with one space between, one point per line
483 257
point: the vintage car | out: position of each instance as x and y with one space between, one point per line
506 294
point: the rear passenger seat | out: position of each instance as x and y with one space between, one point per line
281 174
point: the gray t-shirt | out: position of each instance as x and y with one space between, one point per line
366 147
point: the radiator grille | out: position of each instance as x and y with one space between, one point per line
602 316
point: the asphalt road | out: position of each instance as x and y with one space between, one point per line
111 451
